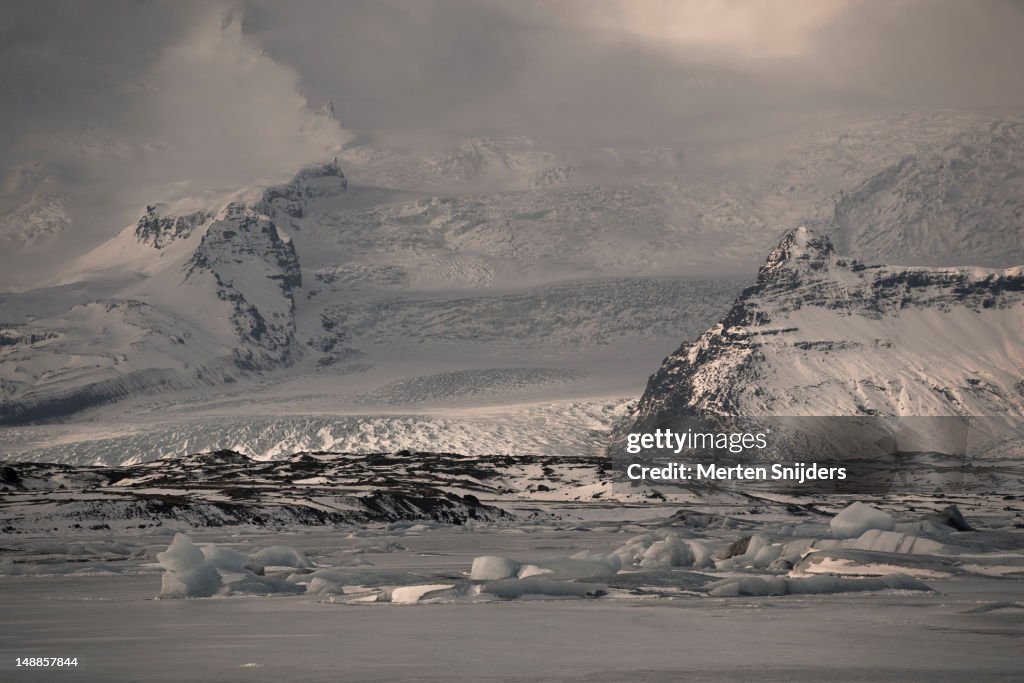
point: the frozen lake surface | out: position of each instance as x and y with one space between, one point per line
840 638
971 628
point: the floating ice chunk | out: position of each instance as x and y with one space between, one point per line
662 550
194 572
282 556
857 518
797 548
669 552
896 542
99 548
737 548
703 555
582 565
492 567
188 573
528 570
870 563
766 555
752 551
251 584
756 543
632 551
838 584
871 539
230 560
813 585
181 555
923 526
411 594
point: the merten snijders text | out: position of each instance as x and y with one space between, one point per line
796 472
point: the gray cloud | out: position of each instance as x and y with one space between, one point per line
126 102
927 52
639 68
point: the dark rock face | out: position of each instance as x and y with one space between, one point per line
14 337
237 246
312 182
737 547
809 329
950 516
159 231
9 475
803 270
245 241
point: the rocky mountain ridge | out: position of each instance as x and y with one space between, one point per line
218 300
819 334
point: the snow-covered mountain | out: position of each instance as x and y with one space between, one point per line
217 298
470 269
303 278
822 334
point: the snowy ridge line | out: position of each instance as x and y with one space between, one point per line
215 303
823 334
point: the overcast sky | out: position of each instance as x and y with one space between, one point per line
133 101
181 73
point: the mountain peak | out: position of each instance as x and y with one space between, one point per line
159 229
799 245
819 334
311 182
